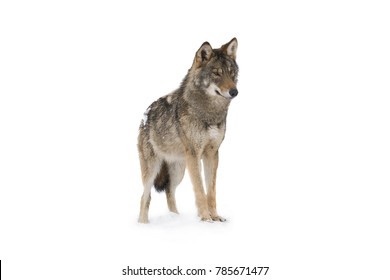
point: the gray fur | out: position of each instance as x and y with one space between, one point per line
187 126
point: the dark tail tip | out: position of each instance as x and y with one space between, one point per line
162 181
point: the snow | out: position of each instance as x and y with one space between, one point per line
304 168
145 118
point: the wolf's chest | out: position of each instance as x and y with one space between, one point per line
214 133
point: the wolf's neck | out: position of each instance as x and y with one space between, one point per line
208 109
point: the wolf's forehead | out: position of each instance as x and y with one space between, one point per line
229 64
225 63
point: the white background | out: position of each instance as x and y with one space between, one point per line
304 168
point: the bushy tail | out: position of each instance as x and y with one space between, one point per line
162 181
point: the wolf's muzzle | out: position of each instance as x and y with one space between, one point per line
233 92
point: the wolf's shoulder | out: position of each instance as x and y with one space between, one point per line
163 106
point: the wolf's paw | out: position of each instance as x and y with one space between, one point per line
143 220
206 219
218 219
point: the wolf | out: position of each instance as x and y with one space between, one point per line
186 128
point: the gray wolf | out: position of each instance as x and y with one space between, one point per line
186 128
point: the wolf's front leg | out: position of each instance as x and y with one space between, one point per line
210 165
194 166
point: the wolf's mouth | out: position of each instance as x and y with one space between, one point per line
220 94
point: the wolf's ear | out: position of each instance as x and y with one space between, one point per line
231 48
204 54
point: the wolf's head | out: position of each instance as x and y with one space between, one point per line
215 71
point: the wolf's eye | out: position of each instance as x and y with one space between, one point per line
231 72
217 72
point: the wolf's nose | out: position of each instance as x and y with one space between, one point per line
233 92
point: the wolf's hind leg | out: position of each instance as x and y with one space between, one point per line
149 171
176 173
145 202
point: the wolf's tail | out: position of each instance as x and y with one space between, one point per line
162 181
